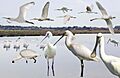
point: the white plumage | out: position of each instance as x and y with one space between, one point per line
22 14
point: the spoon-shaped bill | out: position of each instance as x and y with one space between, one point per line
93 54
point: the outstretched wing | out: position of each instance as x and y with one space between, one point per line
23 10
109 23
45 10
103 11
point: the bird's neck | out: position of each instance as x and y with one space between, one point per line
68 40
102 49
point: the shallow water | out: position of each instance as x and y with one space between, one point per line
66 64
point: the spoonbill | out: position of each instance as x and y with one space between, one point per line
113 41
105 17
66 18
64 9
89 9
44 15
50 52
26 54
111 62
16 46
7 44
22 14
79 50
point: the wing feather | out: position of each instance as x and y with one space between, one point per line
109 23
103 11
45 10
23 10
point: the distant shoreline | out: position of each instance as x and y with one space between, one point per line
56 32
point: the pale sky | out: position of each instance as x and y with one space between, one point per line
10 8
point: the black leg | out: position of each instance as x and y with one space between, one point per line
53 67
34 60
82 68
48 67
26 61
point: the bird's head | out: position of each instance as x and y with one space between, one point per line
66 33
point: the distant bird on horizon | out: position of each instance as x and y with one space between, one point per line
66 18
64 9
105 17
44 16
89 9
26 54
7 44
22 14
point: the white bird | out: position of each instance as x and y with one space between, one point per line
79 50
64 9
50 52
66 18
17 45
44 15
7 45
22 14
105 17
113 41
25 45
89 9
111 62
26 54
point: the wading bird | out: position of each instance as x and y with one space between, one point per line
44 15
105 17
50 52
6 45
79 50
113 41
64 9
22 14
111 62
26 54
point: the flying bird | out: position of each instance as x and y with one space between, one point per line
89 9
79 50
64 9
66 18
105 17
22 14
44 15
113 41
111 62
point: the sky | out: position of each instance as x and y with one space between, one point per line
10 8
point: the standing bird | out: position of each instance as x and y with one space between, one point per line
64 9
26 54
6 45
66 18
44 15
50 52
22 14
113 41
79 50
111 62
89 9
105 17
17 46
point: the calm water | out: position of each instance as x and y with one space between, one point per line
66 64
